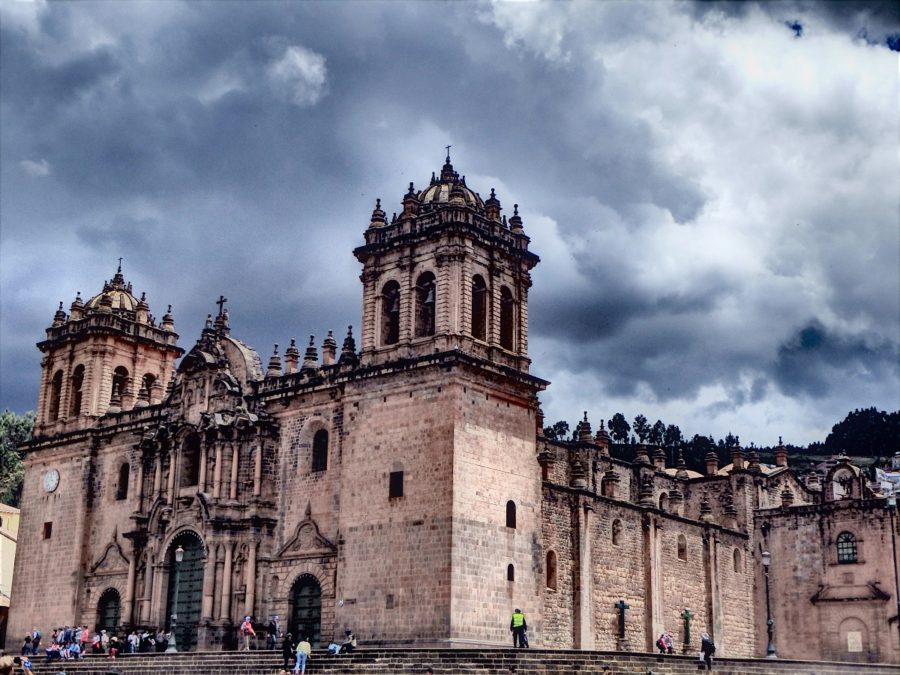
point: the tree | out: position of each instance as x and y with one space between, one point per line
865 433
672 437
619 428
14 431
641 428
657 433
558 431
732 441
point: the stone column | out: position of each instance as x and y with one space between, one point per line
257 471
250 580
148 592
584 624
209 580
128 607
217 473
140 483
235 457
170 489
201 480
225 606
157 473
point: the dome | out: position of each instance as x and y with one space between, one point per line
119 294
450 187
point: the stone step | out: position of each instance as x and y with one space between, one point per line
448 662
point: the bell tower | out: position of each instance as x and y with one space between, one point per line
447 273
106 356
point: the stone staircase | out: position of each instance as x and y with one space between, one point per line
449 662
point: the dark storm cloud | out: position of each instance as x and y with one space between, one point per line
238 148
814 360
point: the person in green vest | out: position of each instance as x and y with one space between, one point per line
518 626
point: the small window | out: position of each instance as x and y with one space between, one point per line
846 548
190 468
663 502
507 319
55 395
320 451
617 532
737 560
425 303
147 382
395 485
551 570
390 313
77 382
479 308
120 378
122 486
48 530
510 572
511 514
682 547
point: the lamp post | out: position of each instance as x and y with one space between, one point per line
179 556
770 623
891 508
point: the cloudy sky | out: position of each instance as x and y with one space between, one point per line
713 188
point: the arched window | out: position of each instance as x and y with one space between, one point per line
320 451
122 485
109 611
663 501
507 319
390 313
55 395
510 572
846 548
147 381
682 547
425 304
77 382
190 457
120 377
551 570
479 308
511 514
617 532
737 560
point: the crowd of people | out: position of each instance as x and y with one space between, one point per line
73 642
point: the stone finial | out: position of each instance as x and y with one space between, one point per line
329 347
492 206
712 463
680 467
115 403
348 357
311 357
59 318
143 398
410 203
753 460
737 457
515 223
812 481
641 454
676 501
579 475
76 310
209 322
602 439
106 303
585 435
646 491
609 484
705 508
787 497
157 390
168 323
291 358
659 459
274 364
378 215
781 454
142 311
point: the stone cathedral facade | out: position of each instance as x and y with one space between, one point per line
399 486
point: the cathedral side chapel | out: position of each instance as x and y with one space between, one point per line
401 486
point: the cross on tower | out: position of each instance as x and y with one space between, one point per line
448 151
221 303
120 264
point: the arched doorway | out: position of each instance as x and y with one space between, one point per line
306 609
109 611
189 577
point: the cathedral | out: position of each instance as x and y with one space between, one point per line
397 482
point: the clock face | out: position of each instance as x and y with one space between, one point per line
51 480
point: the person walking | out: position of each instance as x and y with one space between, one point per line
304 651
246 632
518 626
272 630
287 651
707 649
